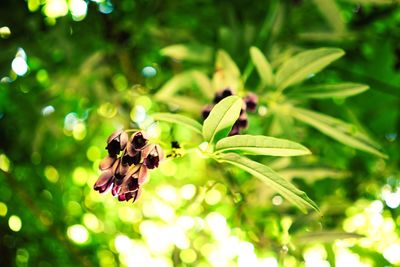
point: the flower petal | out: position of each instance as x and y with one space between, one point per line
104 182
107 163
123 140
143 175
114 135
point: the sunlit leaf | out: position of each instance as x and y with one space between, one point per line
188 52
332 14
185 80
261 145
227 74
312 174
179 119
222 117
262 65
271 179
185 103
304 64
330 90
323 237
341 131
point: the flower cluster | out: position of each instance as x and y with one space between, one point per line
125 168
249 104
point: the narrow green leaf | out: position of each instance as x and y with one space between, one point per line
178 119
332 13
271 179
222 117
329 90
262 65
188 52
304 64
323 237
341 131
261 145
186 80
227 74
312 174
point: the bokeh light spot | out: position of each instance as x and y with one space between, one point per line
78 234
47 110
15 223
5 32
4 163
91 222
93 153
213 197
188 255
144 101
149 72
107 110
79 131
19 66
55 8
78 9
3 209
188 191
80 176
51 174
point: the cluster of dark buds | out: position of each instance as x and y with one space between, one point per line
125 169
249 104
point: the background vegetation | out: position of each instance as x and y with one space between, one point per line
74 71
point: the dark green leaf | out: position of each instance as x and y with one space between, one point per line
271 179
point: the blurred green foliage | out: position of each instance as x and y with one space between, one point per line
74 71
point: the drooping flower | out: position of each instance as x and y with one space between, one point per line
251 101
104 182
137 142
152 155
116 142
126 172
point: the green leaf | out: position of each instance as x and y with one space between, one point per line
341 131
304 64
271 179
312 174
262 65
178 119
222 117
227 74
324 237
332 13
188 52
261 145
329 90
185 80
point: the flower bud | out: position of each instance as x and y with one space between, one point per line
251 101
138 141
116 142
152 154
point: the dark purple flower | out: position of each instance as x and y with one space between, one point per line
221 95
234 130
128 160
138 141
206 111
152 155
227 92
116 142
242 122
251 101
104 182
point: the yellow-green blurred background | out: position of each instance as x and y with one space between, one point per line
73 71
